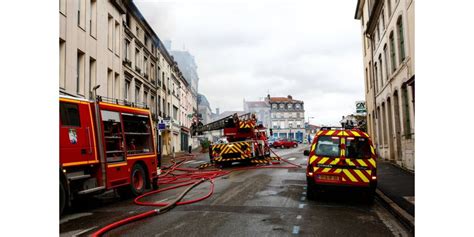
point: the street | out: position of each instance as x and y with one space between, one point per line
260 202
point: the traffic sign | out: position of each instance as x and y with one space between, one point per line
161 126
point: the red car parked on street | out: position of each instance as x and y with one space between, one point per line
284 143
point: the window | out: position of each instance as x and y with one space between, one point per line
137 58
127 90
128 20
92 74
401 41
117 86
145 98
274 106
328 146
137 94
383 19
366 81
282 124
80 73
62 6
175 112
282 106
297 106
145 65
376 75
385 55
62 63
371 78
69 114
93 18
81 19
382 81
127 50
298 124
406 111
146 41
152 72
290 106
110 83
153 109
113 136
117 38
358 147
392 52
110 34
138 32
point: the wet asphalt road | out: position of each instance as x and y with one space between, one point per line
262 202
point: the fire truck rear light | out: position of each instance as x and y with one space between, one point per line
310 173
374 177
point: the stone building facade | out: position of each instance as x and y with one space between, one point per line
388 34
110 43
287 117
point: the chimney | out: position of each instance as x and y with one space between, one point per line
290 97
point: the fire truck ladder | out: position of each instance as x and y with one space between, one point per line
220 124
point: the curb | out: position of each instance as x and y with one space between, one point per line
406 219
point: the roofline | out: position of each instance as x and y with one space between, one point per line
134 9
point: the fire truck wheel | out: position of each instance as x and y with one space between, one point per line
138 180
62 197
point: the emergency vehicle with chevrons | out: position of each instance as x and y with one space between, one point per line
246 140
341 157
105 146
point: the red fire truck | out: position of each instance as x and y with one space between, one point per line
104 146
246 140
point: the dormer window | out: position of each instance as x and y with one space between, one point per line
282 106
297 106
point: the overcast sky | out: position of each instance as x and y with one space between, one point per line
245 49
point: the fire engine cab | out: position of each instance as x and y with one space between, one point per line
341 157
103 146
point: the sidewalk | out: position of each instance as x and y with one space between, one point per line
166 158
396 188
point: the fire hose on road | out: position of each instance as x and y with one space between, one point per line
191 177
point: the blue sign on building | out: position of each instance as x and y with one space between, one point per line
161 126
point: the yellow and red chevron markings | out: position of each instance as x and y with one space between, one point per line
244 149
342 133
360 169
247 123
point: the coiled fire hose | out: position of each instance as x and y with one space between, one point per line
192 178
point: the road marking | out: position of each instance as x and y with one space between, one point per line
296 230
84 231
74 216
298 217
301 205
292 158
